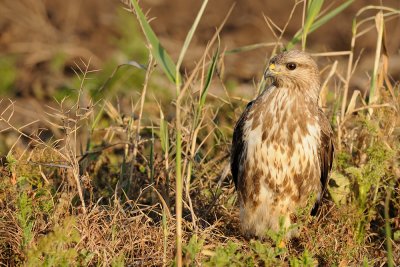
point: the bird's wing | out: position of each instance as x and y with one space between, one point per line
325 153
239 145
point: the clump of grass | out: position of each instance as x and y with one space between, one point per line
56 248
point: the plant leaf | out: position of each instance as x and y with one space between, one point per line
160 54
313 9
210 74
318 23
190 34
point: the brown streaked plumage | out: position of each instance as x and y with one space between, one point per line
282 148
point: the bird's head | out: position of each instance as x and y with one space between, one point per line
294 70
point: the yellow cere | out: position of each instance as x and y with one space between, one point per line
272 66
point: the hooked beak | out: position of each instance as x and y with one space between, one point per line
270 72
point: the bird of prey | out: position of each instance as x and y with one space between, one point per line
282 147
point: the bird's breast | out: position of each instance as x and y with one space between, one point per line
282 148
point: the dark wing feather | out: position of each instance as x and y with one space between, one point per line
325 154
239 145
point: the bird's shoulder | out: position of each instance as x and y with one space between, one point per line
326 152
239 145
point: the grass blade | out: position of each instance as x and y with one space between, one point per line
313 9
373 92
164 133
210 74
251 47
178 157
318 23
97 119
388 229
190 34
160 54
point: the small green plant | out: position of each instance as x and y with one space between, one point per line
33 200
227 255
266 253
192 249
25 218
119 261
56 248
368 180
305 260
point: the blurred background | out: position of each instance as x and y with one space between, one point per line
44 43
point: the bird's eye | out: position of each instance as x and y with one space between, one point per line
291 66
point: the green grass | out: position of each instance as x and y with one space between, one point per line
8 72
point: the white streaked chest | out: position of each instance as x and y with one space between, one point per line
283 138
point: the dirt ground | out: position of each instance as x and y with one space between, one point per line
247 26
34 32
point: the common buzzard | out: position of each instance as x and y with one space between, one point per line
282 148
